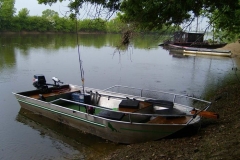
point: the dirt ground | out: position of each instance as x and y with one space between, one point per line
214 139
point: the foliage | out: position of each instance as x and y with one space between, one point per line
224 15
94 25
156 14
116 25
64 25
21 20
159 16
23 13
227 21
7 11
48 13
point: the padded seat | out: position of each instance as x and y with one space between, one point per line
129 103
162 103
111 115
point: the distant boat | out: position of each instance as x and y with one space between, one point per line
192 39
203 51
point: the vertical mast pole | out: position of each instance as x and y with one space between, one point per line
79 56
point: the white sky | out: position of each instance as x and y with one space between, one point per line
36 9
62 9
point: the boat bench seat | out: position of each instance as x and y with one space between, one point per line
162 103
129 103
111 115
172 111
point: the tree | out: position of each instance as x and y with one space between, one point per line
23 13
22 20
149 14
49 14
226 22
7 11
115 25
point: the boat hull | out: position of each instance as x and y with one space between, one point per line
201 51
201 45
116 131
211 53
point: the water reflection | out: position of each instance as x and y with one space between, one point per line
58 41
7 57
79 144
177 54
7 62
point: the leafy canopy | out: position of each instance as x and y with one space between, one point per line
7 11
48 13
154 14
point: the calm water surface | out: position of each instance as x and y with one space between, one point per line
142 65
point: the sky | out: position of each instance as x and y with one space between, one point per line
36 9
60 7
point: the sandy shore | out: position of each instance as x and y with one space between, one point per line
233 47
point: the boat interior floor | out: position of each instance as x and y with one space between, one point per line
172 120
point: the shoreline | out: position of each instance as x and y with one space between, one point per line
233 47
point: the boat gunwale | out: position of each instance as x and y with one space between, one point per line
123 95
210 53
120 96
118 121
174 94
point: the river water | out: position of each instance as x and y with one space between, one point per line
143 65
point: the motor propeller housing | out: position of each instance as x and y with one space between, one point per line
56 81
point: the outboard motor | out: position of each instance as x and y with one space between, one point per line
39 81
